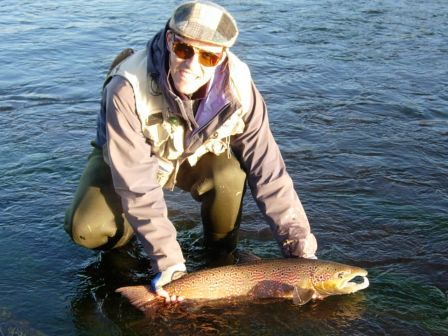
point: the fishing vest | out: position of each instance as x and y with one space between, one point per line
164 130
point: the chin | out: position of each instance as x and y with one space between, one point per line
187 89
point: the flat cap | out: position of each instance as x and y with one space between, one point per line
204 21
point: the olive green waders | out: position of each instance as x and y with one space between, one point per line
95 219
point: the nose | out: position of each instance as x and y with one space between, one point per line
192 62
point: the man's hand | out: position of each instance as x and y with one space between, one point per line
303 248
309 246
162 278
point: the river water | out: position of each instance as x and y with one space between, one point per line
357 93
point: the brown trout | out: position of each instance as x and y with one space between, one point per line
298 279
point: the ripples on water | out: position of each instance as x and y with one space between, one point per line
357 93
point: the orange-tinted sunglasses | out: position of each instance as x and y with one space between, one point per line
185 51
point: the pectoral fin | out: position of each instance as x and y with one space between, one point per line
300 296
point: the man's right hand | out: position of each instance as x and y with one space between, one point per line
165 277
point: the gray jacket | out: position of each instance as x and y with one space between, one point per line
134 170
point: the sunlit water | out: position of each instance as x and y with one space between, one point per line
357 93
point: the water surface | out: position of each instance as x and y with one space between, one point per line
357 93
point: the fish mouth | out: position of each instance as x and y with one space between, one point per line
343 283
354 283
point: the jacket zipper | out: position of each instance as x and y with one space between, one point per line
199 130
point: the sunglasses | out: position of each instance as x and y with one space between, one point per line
185 51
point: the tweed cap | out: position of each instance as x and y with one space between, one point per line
204 21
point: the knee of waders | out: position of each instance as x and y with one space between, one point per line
81 231
83 235
220 173
227 171
101 234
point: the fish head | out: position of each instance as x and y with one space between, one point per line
331 278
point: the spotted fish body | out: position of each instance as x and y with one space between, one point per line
299 279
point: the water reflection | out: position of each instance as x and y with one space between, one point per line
329 316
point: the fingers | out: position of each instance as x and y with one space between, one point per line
167 297
163 293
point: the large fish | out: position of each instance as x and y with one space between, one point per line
299 279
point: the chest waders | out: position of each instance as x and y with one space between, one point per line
219 183
95 218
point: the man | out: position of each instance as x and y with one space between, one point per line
184 112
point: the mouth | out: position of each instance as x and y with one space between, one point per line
187 75
354 284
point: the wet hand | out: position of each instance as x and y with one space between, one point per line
165 277
168 297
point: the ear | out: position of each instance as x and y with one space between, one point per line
169 36
223 58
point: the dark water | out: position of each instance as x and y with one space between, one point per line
358 95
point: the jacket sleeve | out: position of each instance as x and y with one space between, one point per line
134 176
271 186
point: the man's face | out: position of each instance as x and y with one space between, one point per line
189 74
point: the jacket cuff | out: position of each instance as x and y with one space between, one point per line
173 272
303 248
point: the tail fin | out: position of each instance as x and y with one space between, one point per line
138 296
